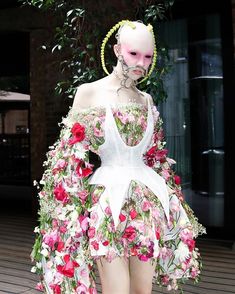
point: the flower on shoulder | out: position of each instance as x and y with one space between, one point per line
78 132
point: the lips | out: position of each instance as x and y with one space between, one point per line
137 72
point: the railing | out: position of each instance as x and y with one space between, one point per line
14 159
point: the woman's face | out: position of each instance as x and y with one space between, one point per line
137 59
136 48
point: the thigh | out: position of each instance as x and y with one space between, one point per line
114 275
141 275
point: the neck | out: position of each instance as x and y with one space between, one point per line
120 79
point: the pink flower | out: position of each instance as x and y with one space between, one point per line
194 272
83 195
50 239
143 257
39 287
122 217
108 211
165 173
145 205
129 233
186 235
60 165
83 222
133 213
174 205
91 232
81 289
94 217
95 245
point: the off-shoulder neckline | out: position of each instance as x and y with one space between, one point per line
103 106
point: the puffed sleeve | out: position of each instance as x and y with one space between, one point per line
60 251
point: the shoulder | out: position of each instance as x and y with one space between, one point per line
147 96
82 97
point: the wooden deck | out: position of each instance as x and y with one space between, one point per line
16 239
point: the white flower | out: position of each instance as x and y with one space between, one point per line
182 252
79 151
33 269
36 230
39 265
44 252
35 183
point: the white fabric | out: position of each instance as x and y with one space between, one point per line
121 163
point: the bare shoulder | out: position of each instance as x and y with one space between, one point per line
147 96
83 96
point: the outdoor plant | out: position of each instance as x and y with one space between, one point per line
79 29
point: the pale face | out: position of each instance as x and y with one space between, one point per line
136 46
137 59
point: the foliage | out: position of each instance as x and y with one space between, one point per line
80 28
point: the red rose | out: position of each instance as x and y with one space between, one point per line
129 233
56 289
152 151
67 269
177 180
160 154
60 193
60 246
78 132
133 213
83 172
105 243
158 235
191 244
122 217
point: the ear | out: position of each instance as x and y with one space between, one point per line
116 49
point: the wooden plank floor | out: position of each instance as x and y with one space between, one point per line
16 239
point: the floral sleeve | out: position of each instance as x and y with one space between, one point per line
60 251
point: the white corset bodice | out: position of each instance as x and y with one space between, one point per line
121 163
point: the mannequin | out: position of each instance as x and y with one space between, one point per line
128 216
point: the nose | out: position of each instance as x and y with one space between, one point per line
141 62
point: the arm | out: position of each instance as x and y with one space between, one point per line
61 243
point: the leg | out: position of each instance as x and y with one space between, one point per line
141 276
114 276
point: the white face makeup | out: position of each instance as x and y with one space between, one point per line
136 48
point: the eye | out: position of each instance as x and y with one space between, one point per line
148 56
133 53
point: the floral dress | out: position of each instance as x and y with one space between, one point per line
77 223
